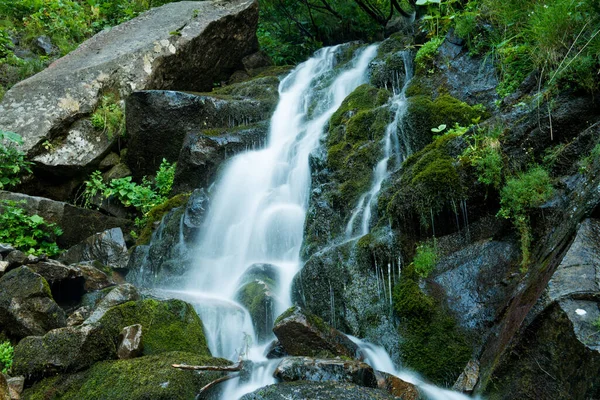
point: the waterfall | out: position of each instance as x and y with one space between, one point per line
259 204
391 146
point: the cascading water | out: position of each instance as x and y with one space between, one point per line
391 141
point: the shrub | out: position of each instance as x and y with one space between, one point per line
109 117
12 160
521 194
28 233
6 356
425 259
485 155
427 52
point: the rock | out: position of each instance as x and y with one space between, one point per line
468 378
253 61
26 304
15 387
142 378
66 282
396 386
292 369
130 345
109 161
3 267
5 248
170 325
108 248
257 288
139 54
4 390
77 223
475 280
119 295
16 258
67 349
44 44
275 350
159 121
95 279
196 209
119 171
316 391
78 316
304 334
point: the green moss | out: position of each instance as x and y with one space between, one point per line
426 54
150 377
287 313
156 214
429 183
170 325
432 344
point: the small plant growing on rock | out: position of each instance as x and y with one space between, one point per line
6 356
109 117
12 160
427 52
522 193
425 259
28 233
485 155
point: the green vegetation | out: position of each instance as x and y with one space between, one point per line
170 325
12 160
28 233
148 377
590 159
6 356
522 193
425 55
432 342
109 117
156 214
484 153
425 259
140 196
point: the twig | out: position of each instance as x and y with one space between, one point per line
229 368
217 381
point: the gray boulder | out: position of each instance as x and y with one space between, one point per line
292 369
106 247
130 342
77 223
139 54
15 386
120 294
66 349
26 304
302 390
304 334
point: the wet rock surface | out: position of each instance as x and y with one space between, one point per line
304 334
108 248
292 369
317 391
26 304
131 344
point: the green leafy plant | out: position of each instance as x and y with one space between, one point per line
6 356
12 161
28 233
425 259
425 55
522 193
109 117
164 177
484 153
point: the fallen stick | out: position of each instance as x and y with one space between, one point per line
229 368
216 382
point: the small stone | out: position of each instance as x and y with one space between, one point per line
4 391
16 258
131 345
118 171
109 161
44 43
5 248
15 387
468 378
3 267
78 316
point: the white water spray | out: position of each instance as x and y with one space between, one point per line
391 146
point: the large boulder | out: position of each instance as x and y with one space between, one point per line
557 355
26 304
119 295
317 391
169 325
304 334
108 248
144 53
76 223
292 369
66 349
149 377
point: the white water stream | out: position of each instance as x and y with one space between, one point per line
258 210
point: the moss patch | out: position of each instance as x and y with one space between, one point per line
170 325
150 377
433 344
353 143
156 214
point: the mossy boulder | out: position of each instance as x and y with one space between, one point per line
317 391
149 377
68 349
302 333
157 213
169 325
26 304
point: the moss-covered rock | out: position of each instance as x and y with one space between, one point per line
170 325
317 391
156 214
149 377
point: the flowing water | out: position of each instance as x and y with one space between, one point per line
391 146
258 210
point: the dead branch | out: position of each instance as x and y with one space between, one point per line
217 381
229 368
